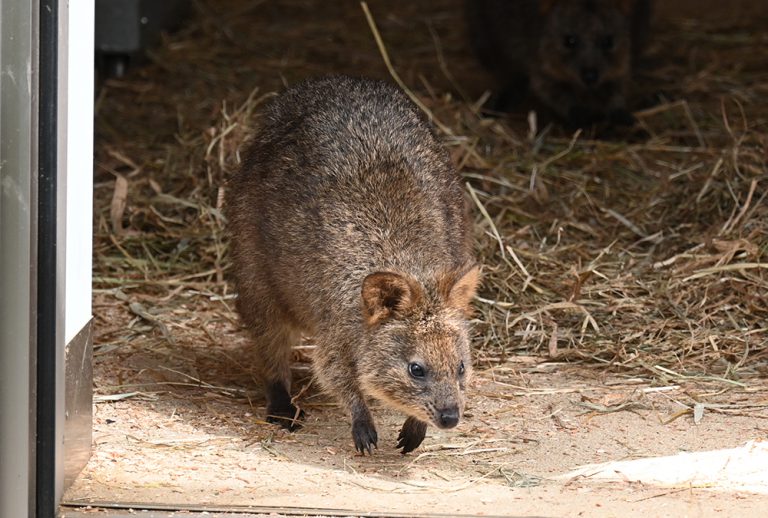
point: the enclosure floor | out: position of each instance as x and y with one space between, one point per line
520 431
623 311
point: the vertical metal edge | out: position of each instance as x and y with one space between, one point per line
47 317
34 78
78 403
18 148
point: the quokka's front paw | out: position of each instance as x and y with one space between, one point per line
411 434
365 436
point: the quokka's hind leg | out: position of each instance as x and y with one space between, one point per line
273 354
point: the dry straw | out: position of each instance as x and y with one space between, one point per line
643 253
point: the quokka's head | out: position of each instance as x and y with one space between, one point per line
586 43
417 354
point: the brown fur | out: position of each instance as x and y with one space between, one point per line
575 56
348 222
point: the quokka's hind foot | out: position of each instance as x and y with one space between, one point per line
411 434
288 417
280 410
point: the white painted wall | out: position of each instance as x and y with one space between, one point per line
74 193
77 130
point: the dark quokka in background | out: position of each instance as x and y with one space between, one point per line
575 56
348 223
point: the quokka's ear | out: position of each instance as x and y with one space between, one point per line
387 295
458 287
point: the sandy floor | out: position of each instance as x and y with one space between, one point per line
526 423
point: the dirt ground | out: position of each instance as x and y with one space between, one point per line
178 414
169 438
527 422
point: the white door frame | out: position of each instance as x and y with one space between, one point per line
46 168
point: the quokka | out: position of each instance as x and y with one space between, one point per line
348 222
575 56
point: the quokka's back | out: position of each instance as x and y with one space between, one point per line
348 222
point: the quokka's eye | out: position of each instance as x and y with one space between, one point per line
461 369
570 41
416 370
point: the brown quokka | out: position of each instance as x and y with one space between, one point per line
348 222
575 56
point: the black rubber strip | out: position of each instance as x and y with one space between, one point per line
45 397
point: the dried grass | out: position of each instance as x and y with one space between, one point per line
643 254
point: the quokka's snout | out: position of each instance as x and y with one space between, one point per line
348 221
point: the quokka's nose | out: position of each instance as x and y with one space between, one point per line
449 417
590 76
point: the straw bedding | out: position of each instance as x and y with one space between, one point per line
640 253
